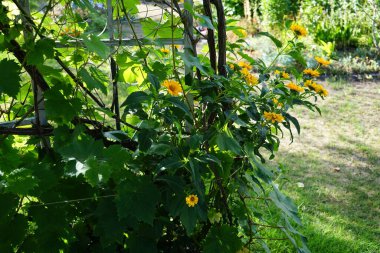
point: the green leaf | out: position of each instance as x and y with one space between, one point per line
44 48
153 79
153 29
8 203
117 157
177 102
81 148
192 61
222 239
189 218
9 156
228 143
13 232
97 171
296 55
108 226
263 172
116 135
92 83
205 21
10 77
137 196
292 119
136 98
275 40
285 204
60 109
131 6
143 240
145 139
173 162
160 149
196 178
159 70
50 223
20 181
94 44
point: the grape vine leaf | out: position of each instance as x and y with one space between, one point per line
108 227
144 195
10 77
94 44
8 202
222 239
144 239
21 181
91 81
97 171
13 232
60 109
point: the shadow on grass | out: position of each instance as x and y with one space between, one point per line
340 209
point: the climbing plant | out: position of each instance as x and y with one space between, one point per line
150 147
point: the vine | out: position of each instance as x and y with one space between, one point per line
178 166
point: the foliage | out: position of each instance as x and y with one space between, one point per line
234 8
349 24
276 12
179 168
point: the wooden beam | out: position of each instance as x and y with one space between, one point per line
123 42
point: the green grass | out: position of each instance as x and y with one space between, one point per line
337 158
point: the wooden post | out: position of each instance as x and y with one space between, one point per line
40 119
114 68
188 36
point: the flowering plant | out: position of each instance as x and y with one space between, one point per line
177 167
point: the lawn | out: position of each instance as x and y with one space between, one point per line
334 170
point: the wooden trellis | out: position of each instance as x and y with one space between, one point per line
40 122
9 127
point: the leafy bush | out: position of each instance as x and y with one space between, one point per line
178 169
275 12
342 22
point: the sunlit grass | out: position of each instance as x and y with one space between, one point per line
337 159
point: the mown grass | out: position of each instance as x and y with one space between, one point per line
337 158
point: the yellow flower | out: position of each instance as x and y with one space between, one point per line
245 65
275 102
295 87
164 50
324 92
285 75
318 88
174 87
277 72
251 79
322 61
273 117
192 200
298 29
243 32
308 83
311 72
245 71
231 66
